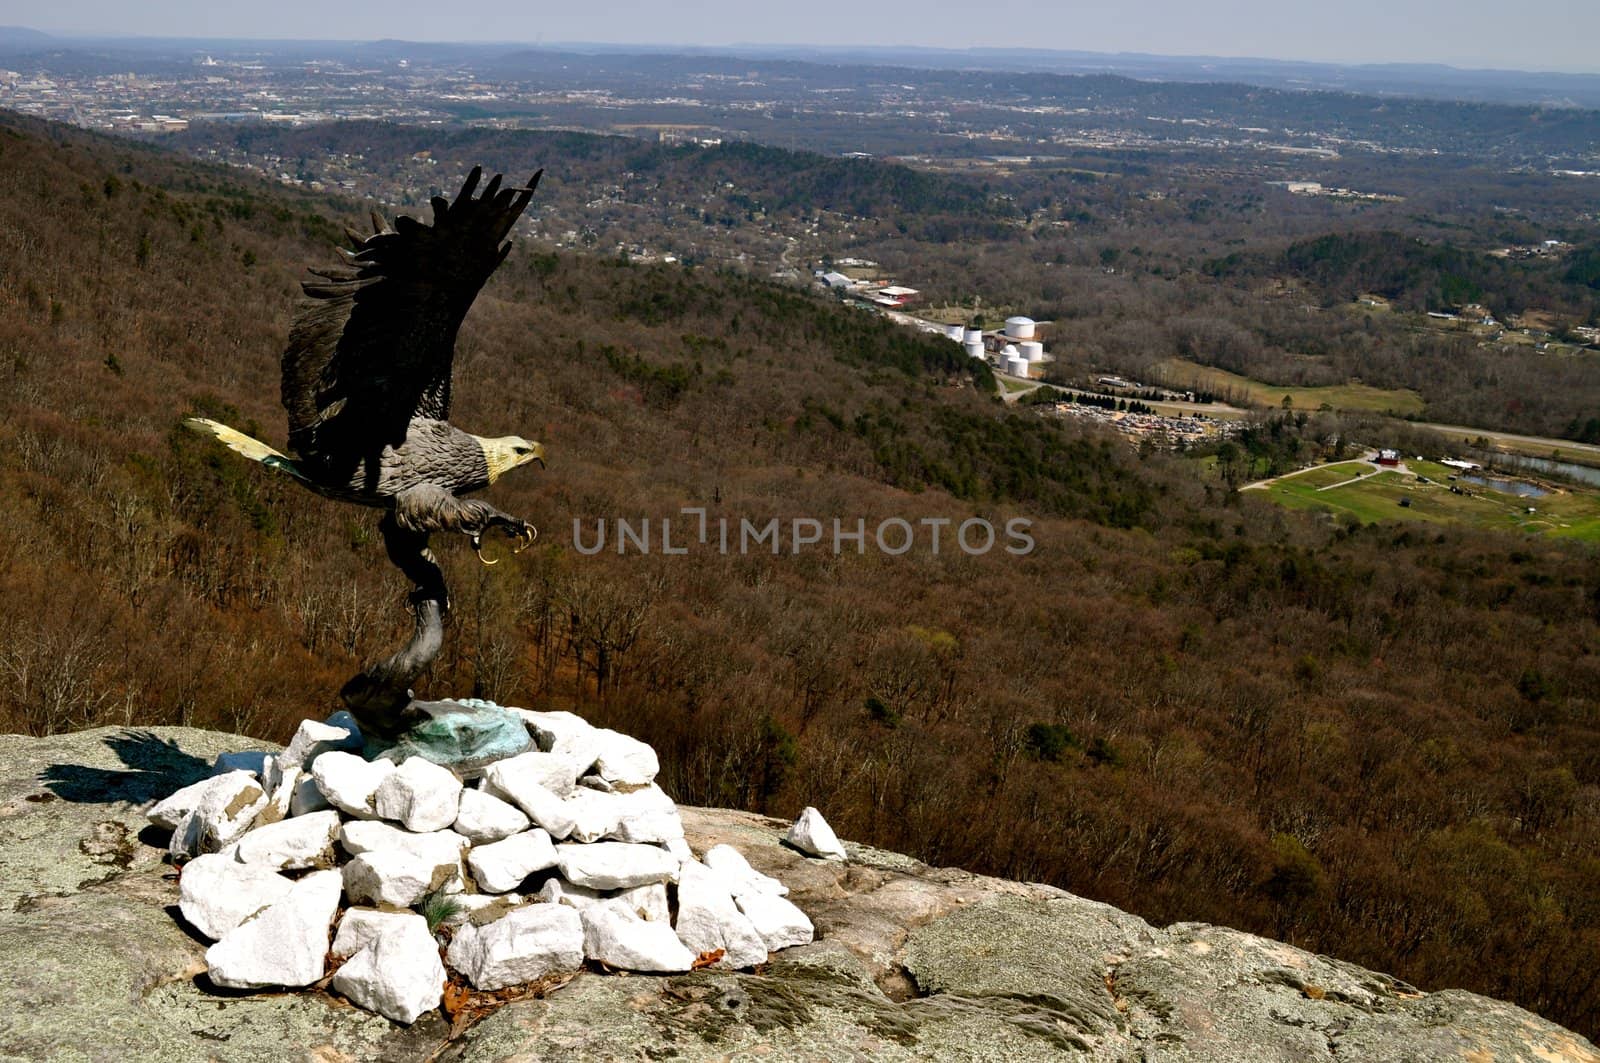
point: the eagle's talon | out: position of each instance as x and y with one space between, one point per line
477 548
521 533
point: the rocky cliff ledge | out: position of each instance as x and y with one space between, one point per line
912 962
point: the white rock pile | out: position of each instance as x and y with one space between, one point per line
565 853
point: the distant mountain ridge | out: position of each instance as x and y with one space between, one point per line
1439 81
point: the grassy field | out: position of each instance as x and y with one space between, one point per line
1400 401
1565 512
1328 475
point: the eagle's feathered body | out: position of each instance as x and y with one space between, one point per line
433 453
366 383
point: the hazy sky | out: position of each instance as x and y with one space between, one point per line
1523 34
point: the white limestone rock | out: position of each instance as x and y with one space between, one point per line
350 783
624 759
542 806
594 782
398 975
737 874
558 731
371 836
523 946
255 761
224 811
216 893
708 919
501 866
556 772
280 796
811 834
558 890
312 739
486 818
642 815
346 719
359 927
648 816
292 844
648 902
778 921
594 815
480 908
645 815
170 810
420 794
678 847
615 865
398 878
617 938
283 946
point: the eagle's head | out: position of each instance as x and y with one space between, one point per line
504 453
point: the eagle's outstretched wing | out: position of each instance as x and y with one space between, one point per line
372 343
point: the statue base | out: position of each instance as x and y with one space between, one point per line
464 736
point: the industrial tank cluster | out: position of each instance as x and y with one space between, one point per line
1016 347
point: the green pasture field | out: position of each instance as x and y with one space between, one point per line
1566 512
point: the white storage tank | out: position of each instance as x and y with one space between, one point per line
974 335
1009 352
1032 350
1017 366
1019 328
955 332
975 349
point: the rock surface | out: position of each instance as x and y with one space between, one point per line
912 963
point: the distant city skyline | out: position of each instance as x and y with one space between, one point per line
1537 35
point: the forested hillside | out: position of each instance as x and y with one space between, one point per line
1374 742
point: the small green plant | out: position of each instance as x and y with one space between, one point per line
439 908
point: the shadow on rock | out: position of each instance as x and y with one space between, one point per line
156 767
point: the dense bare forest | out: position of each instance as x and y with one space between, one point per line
1375 742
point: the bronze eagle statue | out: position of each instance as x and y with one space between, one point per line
366 383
